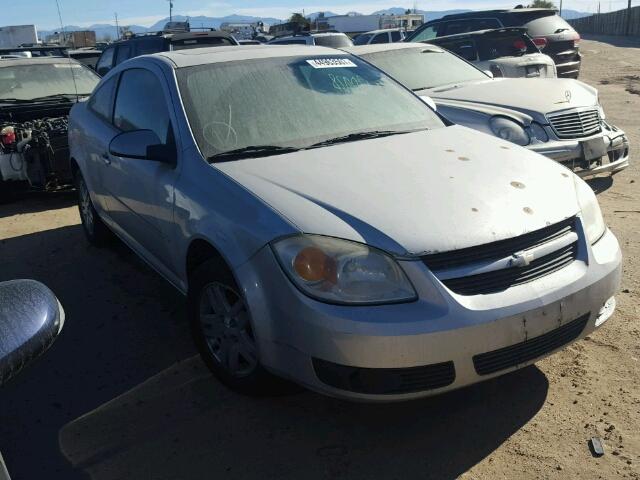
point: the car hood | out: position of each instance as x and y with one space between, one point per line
530 96
413 194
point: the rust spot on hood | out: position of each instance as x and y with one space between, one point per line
464 159
528 210
519 185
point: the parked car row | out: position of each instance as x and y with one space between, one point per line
356 241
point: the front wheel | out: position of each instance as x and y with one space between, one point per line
223 332
94 228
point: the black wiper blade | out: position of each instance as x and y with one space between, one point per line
352 137
14 100
58 96
252 151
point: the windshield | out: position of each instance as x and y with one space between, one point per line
362 39
339 40
421 68
294 102
24 82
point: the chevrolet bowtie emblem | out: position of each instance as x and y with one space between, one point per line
567 95
521 259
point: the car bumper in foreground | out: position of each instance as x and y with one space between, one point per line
572 153
440 342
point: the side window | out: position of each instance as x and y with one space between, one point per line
483 24
149 45
101 102
124 53
427 33
141 104
454 27
381 38
396 36
105 62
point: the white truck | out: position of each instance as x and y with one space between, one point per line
15 35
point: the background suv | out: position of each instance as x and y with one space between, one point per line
549 31
123 50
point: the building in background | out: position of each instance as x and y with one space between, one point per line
15 35
244 31
79 39
354 24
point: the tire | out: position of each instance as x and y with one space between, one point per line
223 332
94 228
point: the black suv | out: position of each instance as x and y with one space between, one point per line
549 32
144 44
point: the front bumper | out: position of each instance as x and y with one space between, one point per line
571 153
294 332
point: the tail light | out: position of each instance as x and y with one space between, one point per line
519 45
540 42
8 136
496 72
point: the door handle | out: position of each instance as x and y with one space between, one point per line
106 159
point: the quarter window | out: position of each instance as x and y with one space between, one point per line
105 62
381 38
101 102
141 104
124 53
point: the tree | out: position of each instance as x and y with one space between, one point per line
542 4
300 20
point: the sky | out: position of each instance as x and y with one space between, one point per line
44 15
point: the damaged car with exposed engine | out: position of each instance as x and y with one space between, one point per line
36 95
560 118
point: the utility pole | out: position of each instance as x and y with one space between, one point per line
117 26
628 29
170 10
560 13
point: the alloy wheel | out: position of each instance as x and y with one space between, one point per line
227 331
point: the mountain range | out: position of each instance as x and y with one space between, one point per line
108 31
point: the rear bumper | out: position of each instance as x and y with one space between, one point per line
429 346
570 153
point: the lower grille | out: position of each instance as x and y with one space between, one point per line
500 280
576 123
528 350
385 381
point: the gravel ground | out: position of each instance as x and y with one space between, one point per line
122 395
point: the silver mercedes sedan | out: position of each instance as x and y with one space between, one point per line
329 228
560 118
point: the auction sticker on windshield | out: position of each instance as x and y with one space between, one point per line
331 63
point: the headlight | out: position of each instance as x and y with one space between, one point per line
591 215
539 132
510 130
341 271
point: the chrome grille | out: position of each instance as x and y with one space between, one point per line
575 123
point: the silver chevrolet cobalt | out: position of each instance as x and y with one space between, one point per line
331 229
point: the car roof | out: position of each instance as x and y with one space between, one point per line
202 56
12 62
482 13
171 36
488 31
386 47
383 30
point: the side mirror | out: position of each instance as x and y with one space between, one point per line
429 101
30 320
142 145
488 73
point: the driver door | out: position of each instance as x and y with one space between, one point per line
141 192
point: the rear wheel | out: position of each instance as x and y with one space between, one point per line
223 332
94 228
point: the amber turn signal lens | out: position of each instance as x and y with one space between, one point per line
313 265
